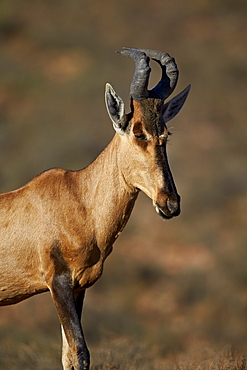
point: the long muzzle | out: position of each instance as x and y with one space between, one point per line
167 205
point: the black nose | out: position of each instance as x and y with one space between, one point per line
173 207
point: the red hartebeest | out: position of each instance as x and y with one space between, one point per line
57 230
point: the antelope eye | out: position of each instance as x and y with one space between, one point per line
141 137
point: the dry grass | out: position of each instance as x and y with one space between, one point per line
124 356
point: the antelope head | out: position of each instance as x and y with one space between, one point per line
143 131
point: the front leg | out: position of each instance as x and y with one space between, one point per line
75 352
66 352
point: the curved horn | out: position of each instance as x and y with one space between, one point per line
139 84
169 73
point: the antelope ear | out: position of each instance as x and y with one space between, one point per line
172 107
115 109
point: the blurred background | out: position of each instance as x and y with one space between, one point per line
169 289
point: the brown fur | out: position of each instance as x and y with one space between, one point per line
57 230
61 211
63 223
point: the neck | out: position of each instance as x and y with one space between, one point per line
109 198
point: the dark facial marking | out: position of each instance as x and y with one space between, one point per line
140 136
152 116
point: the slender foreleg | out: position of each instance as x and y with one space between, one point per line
75 353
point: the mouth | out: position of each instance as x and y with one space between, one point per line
165 214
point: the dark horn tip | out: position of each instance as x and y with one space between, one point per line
131 51
137 55
127 48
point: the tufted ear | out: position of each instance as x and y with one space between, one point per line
115 109
172 107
